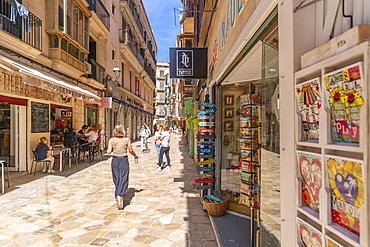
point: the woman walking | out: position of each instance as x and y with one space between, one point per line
120 166
165 149
157 141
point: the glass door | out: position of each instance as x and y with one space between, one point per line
13 135
270 151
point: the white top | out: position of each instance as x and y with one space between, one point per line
157 135
92 136
166 138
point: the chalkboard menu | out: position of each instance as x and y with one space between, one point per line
39 118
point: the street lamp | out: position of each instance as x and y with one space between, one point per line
116 72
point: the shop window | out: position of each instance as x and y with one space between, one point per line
91 116
60 121
54 41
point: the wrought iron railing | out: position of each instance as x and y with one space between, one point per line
97 71
98 7
18 27
126 38
150 72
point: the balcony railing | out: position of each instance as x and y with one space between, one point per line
131 5
98 7
97 71
150 72
126 38
17 28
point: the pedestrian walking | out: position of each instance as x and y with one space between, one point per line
43 151
120 166
100 140
148 129
165 149
144 138
157 141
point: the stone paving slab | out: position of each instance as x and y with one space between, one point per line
161 209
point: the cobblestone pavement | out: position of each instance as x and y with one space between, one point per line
161 209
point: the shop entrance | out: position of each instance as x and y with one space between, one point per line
251 135
13 132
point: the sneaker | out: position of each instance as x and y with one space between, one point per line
159 169
51 171
44 170
119 202
168 168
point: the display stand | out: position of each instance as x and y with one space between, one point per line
206 147
250 146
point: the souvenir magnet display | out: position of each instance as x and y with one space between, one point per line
347 191
310 171
345 89
308 235
308 95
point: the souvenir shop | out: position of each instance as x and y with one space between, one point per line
248 131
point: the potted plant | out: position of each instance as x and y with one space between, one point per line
192 120
122 39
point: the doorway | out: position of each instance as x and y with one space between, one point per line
13 135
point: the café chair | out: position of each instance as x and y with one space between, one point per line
82 148
74 155
36 159
5 160
93 148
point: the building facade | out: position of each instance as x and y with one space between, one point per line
288 82
132 48
162 72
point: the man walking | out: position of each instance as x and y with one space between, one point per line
165 149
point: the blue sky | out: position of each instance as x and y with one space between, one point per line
160 14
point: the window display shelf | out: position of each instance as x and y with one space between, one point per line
347 148
311 214
344 234
309 144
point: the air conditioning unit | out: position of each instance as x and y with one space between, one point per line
88 68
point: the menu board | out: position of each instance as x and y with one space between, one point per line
39 117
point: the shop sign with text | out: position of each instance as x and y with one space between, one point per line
188 63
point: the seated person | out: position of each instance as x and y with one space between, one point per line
92 134
44 153
70 138
81 133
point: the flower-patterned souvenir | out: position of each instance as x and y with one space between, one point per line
345 92
308 235
308 95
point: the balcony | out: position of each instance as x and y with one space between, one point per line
136 17
17 28
149 70
98 7
126 39
97 71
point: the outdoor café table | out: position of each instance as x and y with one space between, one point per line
61 150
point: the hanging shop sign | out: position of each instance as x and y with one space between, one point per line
205 156
206 137
188 63
137 87
207 111
206 150
207 123
205 187
206 143
204 130
204 181
206 162
202 103
206 117
205 169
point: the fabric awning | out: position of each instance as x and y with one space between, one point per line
46 81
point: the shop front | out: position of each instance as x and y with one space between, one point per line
245 90
34 104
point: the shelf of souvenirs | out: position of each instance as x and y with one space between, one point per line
336 147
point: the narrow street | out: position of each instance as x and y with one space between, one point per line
160 209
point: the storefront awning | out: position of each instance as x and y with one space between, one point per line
46 81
